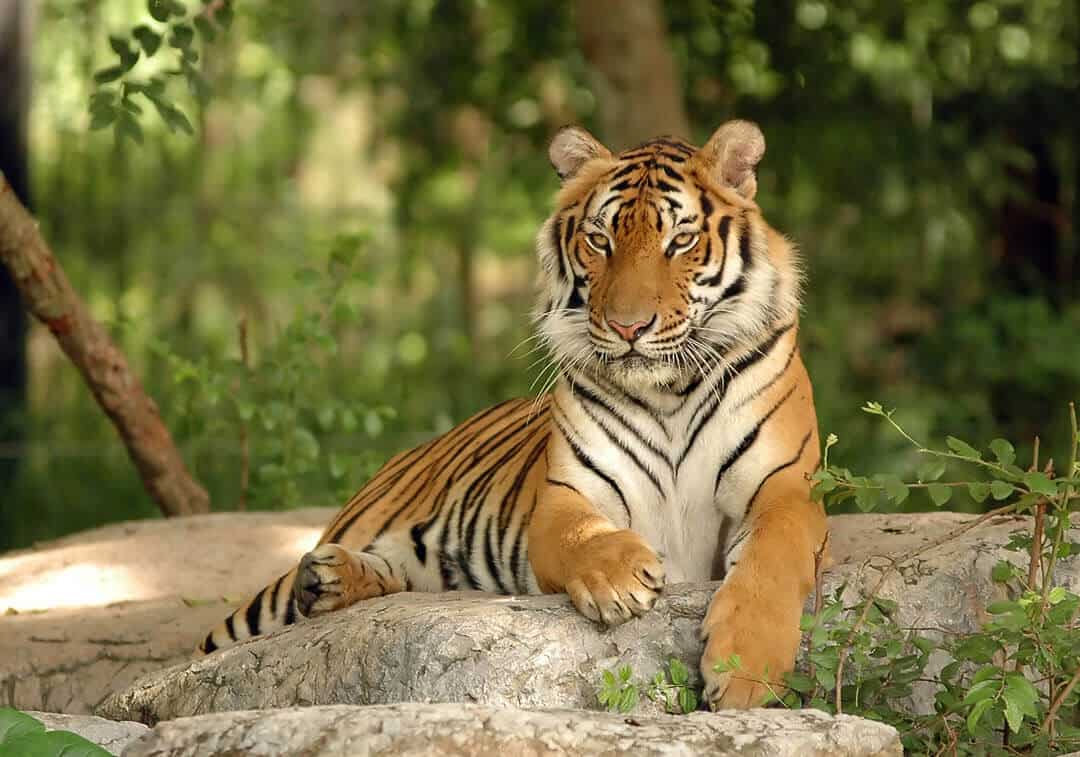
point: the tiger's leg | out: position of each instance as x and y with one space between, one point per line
330 577
327 578
755 613
611 574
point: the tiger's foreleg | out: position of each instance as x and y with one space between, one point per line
755 613
330 577
611 574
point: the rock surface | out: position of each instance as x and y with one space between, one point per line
108 734
88 614
445 729
538 652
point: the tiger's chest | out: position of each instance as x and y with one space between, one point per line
682 481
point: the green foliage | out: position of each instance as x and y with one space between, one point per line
274 402
115 101
670 687
1008 688
24 736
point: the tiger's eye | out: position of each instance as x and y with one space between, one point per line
597 241
681 240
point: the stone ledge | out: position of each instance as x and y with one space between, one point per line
467 729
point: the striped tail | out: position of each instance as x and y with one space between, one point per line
272 608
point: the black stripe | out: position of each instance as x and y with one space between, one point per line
748 440
761 351
777 469
254 610
665 186
290 611
671 172
714 280
489 556
208 644
556 234
627 169
589 396
587 461
624 447
229 629
764 388
516 560
571 224
419 547
274 596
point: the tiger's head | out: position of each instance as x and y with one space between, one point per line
657 263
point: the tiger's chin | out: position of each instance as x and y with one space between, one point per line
638 373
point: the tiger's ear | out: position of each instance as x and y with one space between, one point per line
571 148
732 154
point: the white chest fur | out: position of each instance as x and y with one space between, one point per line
680 471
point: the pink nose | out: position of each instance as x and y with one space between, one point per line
629 332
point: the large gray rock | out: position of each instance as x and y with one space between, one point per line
88 614
538 651
448 729
108 734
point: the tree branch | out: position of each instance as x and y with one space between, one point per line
48 295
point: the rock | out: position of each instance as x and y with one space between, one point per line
108 734
469 729
537 652
90 613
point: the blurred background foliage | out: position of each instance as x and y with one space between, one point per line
338 262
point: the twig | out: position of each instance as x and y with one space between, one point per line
819 572
1051 714
1004 509
245 452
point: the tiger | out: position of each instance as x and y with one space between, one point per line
676 443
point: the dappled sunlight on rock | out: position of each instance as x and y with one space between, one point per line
80 585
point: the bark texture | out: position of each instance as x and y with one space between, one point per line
48 295
638 89
536 652
469 729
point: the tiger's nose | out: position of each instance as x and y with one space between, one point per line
632 331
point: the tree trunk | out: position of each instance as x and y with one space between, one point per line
638 90
48 295
14 98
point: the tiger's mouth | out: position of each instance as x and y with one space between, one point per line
635 370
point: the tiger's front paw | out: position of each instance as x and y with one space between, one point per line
760 634
616 576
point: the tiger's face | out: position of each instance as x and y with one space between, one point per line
657 262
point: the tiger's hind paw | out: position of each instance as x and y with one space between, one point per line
330 577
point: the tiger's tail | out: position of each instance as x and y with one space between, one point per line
272 608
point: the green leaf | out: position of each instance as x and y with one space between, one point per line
939 493
979 490
895 489
960 447
1000 490
128 128
148 39
625 673
1002 571
629 699
182 36
866 498
14 724
106 75
931 470
679 672
102 117
800 682
981 691
1012 714
159 9
1003 451
688 701
1039 483
976 714
52 744
174 118
1003 606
